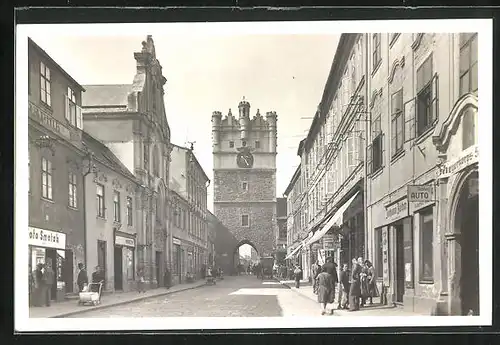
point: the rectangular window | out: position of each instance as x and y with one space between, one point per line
100 200
46 178
468 63
72 189
146 156
244 186
257 144
73 112
231 144
45 84
397 125
116 206
379 259
426 97
376 51
376 149
244 220
129 211
426 239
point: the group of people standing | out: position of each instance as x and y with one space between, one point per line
41 282
356 285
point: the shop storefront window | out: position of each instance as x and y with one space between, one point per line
379 267
129 257
426 255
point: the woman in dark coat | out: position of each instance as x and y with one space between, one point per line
325 292
355 288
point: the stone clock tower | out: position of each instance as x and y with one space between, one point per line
244 152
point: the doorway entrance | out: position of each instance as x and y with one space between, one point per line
51 256
67 270
400 262
158 268
118 266
467 218
101 258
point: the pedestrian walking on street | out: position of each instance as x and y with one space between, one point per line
167 278
344 287
82 278
47 282
355 288
326 294
372 285
140 280
364 281
38 299
297 275
315 269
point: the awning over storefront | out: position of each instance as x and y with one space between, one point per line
294 251
334 220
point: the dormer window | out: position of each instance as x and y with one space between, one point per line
45 84
73 112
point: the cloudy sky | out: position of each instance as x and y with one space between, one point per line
281 72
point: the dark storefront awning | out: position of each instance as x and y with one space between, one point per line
336 219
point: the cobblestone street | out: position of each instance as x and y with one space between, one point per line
242 296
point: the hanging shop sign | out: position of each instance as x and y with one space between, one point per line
385 256
421 193
176 241
396 211
46 238
124 241
328 242
467 157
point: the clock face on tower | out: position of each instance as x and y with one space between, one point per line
244 159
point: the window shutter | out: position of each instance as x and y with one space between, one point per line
435 97
369 154
66 108
409 117
79 119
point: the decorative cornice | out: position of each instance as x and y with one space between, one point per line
417 41
376 93
100 178
443 131
397 63
117 184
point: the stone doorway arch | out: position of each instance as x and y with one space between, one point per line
463 239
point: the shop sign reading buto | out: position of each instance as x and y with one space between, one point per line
46 238
124 241
421 193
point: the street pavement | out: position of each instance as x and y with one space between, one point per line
239 296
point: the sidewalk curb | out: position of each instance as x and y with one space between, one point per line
99 307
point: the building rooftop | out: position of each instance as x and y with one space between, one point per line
106 95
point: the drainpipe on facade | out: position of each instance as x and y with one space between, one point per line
367 129
91 168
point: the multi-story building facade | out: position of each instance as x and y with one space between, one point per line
423 106
55 158
244 153
189 180
295 229
110 210
225 242
280 235
130 119
332 161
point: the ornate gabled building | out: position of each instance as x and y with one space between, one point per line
244 153
131 121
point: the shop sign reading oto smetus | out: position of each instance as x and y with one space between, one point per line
421 193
